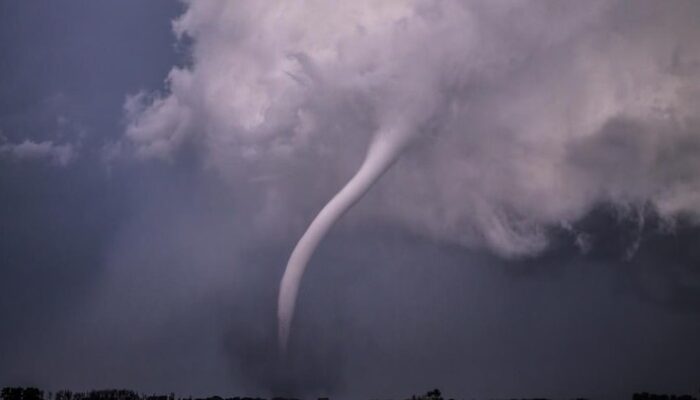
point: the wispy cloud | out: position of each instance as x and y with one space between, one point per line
58 154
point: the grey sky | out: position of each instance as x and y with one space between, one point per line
146 215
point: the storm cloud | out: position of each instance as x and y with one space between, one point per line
523 109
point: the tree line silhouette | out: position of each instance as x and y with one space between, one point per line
651 396
32 393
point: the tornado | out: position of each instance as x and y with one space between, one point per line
383 151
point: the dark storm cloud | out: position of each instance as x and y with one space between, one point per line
652 259
538 239
380 307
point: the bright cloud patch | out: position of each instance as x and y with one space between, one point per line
524 114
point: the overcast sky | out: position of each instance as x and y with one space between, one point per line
538 237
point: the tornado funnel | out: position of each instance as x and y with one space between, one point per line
381 154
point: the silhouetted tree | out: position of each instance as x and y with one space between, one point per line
431 395
19 393
11 393
32 393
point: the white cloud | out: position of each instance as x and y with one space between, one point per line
530 112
